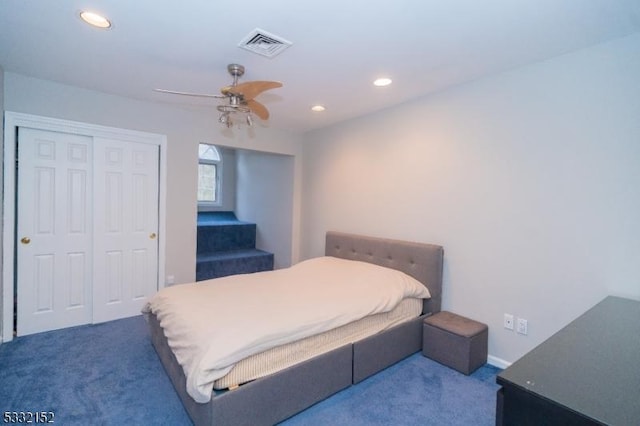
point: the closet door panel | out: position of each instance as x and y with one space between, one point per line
54 241
125 227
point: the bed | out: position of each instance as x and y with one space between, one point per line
270 399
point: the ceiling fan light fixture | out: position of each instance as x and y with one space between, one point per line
383 81
95 19
225 118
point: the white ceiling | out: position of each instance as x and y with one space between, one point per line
339 46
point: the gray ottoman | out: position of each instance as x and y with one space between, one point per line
455 341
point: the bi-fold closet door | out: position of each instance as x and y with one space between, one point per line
86 228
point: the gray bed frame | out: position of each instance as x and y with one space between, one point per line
274 398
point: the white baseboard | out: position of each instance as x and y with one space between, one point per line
497 362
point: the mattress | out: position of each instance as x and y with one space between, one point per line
281 357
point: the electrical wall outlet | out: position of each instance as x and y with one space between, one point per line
170 280
522 326
508 321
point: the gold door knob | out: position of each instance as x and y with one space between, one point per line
25 240
152 236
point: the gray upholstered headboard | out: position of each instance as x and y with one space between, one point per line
421 261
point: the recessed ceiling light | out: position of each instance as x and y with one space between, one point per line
382 82
317 108
94 19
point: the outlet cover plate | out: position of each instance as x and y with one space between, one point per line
522 326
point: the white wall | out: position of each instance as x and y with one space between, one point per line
184 127
529 179
265 183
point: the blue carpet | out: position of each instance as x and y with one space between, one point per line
415 391
218 218
232 262
109 374
227 246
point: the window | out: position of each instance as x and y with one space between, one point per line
209 175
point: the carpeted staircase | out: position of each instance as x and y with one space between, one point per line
227 246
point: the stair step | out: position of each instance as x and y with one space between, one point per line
226 246
218 218
224 237
221 264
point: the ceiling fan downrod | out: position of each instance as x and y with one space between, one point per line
236 71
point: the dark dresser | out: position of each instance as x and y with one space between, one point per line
588 373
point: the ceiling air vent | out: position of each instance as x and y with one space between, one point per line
264 43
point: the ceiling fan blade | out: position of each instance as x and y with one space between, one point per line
251 89
199 95
258 109
227 91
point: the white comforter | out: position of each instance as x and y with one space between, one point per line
210 325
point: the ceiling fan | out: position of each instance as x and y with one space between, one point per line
239 97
